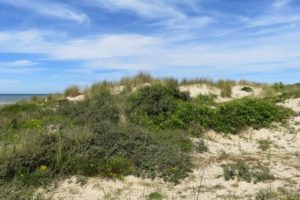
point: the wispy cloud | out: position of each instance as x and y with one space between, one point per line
136 51
48 8
280 3
19 66
18 63
171 14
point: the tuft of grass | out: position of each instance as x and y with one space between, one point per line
264 145
72 91
281 193
246 172
226 87
155 196
201 147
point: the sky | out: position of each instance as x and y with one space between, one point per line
47 45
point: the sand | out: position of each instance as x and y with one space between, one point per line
204 89
77 98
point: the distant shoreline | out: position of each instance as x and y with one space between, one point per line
7 99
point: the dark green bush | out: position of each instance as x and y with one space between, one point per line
237 115
247 89
150 157
152 101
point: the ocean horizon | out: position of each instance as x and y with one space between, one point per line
14 98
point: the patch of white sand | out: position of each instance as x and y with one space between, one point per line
77 98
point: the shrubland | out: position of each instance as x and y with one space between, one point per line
144 132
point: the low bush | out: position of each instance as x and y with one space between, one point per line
281 193
200 146
246 172
247 89
102 107
155 196
237 115
19 108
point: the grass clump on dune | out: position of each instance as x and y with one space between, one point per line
72 91
245 172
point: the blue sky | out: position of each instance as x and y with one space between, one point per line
46 45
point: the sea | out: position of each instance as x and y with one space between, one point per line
13 98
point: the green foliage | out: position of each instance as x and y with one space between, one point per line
94 110
237 115
33 124
264 144
152 101
246 172
72 91
19 108
281 193
152 105
286 91
247 89
99 88
226 87
149 156
205 100
115 167
155 196
200 146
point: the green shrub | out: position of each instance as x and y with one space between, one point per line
102 107
201 147
152 101
33 124
246 172
149 156
205 99
116 166
247 89
152 105
19 108
237 115
155 196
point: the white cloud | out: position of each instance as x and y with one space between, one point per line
18 63
152 53
150 9
19 66
49 8
274 20
168 13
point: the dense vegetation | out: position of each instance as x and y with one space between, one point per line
144 132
